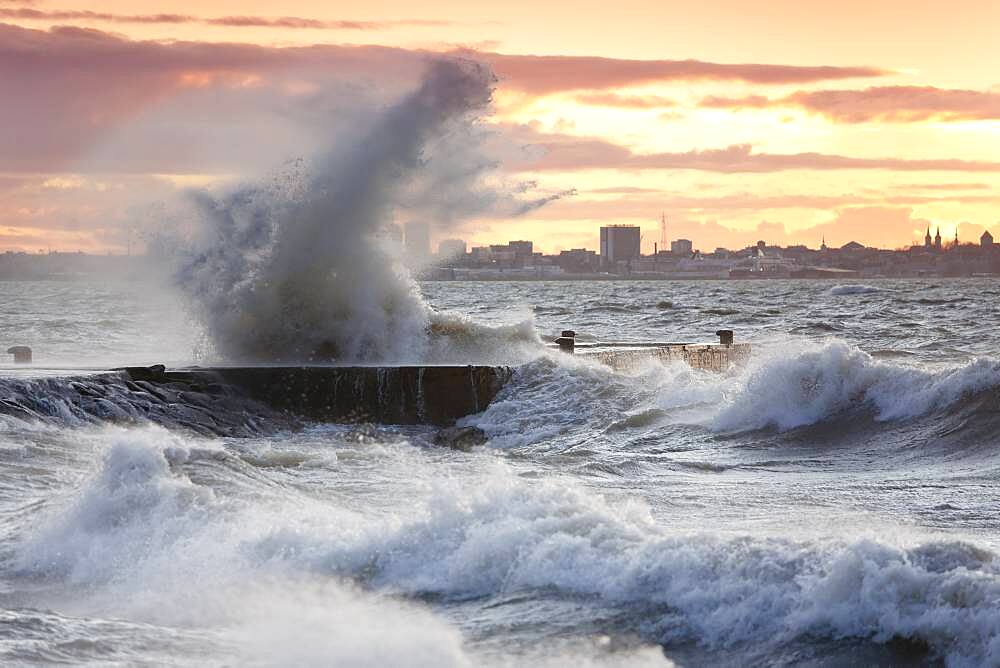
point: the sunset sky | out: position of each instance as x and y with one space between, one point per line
785 120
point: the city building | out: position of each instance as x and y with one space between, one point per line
578 261
522 249
986 241
620 245
452 248
682 247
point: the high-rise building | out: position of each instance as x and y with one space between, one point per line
619 243
451 248
418 240
681 247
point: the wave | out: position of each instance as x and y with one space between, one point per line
935 301
853 289
814 385
555 403
182 533
297 269
208 409
142 530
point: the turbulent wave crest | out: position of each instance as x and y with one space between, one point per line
155 540
784 387
817 384
296 269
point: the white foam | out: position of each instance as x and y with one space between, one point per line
815 382
854 289
140 540
263 564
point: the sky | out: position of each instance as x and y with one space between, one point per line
788 121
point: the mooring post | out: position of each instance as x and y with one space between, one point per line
725 337
22 354
567 341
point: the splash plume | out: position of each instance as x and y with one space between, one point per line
294 269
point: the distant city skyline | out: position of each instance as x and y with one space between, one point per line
892 232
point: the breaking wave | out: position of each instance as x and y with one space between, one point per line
833 378
784 387
154 540
298 269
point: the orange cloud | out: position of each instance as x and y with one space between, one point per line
543 75
292 22
563 152
893 104
624 101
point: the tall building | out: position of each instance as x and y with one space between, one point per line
937 238
451 248
681 247
521 248
418 240
619 243
986 241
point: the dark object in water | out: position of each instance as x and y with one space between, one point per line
460 438
22 354
725 336
566 341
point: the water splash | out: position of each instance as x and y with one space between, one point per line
294 269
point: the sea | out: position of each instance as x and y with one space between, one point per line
835 502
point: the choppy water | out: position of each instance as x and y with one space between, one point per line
834 503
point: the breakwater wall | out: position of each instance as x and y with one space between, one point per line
412 394
437 395
716 357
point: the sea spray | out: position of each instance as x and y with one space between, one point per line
294 269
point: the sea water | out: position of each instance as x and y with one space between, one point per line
834 502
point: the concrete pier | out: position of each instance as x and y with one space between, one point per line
412 394
716 357
437 395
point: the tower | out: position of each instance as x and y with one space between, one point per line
663 230
927 239
822 246
956 236
937 238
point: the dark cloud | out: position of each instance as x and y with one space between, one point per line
890 104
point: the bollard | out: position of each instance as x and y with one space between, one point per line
567 341
725 336
22 354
